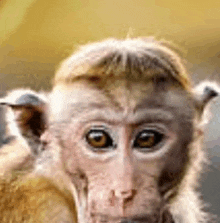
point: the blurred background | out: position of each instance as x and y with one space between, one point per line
35 35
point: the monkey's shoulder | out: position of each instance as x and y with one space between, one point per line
33 199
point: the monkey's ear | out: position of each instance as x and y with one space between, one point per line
27 115
205 92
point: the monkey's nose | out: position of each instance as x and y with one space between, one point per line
124 194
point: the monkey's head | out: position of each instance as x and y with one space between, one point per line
122 131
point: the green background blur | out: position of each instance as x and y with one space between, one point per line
35 35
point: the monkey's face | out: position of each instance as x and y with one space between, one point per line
124 150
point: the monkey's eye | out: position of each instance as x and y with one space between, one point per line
147 139
99 139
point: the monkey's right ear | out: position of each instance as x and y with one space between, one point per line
28 110
205 92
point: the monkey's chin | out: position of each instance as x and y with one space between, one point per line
136 219
164 217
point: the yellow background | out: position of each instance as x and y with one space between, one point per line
35 35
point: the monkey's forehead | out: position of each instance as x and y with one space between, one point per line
77 98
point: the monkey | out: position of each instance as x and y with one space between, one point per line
120 136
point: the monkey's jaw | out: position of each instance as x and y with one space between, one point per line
158 217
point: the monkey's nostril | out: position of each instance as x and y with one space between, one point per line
125 194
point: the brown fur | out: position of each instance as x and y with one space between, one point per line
138 59
34 200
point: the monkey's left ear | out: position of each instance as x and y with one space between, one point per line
27 110
204 93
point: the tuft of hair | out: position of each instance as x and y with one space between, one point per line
135 59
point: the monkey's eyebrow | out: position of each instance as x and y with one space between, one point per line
82 107
152 115
95 110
